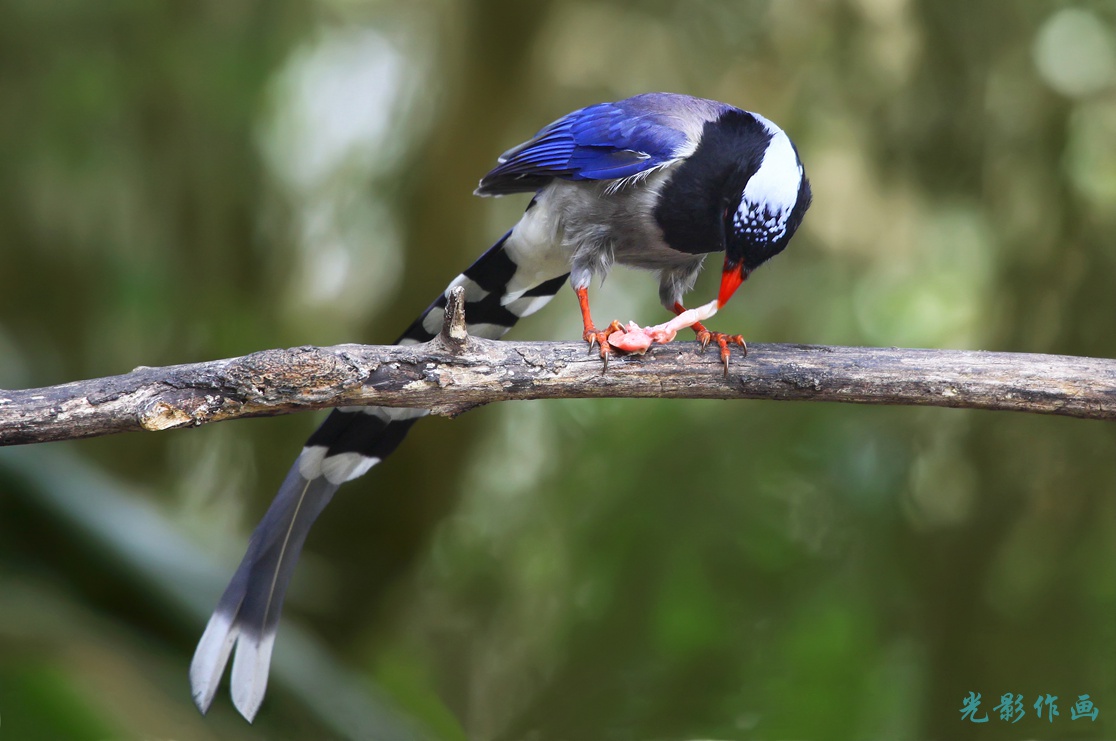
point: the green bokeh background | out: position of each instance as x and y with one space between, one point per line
187 181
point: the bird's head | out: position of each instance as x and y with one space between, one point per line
763 205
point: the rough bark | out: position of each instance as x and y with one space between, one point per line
455 372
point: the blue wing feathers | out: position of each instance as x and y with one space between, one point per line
602 142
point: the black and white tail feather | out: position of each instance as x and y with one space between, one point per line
498 292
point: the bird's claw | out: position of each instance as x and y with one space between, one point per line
723 340
599 338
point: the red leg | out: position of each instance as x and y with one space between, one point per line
704 336
592 335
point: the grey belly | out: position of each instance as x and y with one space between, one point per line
651 253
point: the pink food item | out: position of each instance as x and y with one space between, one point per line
632 339
636 340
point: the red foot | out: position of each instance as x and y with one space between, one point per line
704 336
599 338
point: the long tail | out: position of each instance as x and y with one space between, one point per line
502 286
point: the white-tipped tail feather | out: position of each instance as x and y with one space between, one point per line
247 615
210 659
249 672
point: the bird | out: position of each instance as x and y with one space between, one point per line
657 181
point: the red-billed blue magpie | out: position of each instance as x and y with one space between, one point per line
657 181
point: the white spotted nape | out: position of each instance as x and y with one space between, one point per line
771 193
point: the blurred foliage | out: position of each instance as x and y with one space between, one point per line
185 181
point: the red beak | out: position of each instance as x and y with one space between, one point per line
731 278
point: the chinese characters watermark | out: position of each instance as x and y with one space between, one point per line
1011 709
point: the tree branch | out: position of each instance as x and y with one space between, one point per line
455 372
